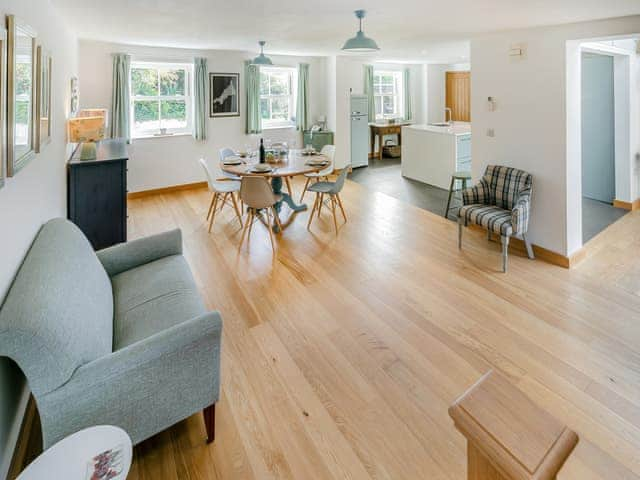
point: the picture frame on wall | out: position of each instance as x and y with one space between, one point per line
43 98
75 96
21 94
224 95
3 105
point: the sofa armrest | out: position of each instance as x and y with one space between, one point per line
125 256
479 193
520 212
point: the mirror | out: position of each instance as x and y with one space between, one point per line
43 98
21 51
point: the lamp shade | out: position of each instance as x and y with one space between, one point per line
86 129
262 59
96 112
360 43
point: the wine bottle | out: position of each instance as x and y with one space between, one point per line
262 155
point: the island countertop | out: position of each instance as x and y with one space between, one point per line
457 128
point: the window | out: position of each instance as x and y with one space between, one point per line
388 94
161 100
277 96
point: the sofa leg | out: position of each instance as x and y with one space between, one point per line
527 244
460 221
505 252
210 422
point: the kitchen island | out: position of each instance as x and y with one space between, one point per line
430 153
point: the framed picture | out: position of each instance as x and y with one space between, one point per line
3 104
43 98
224 98
75 96
21 94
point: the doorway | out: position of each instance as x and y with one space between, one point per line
458 95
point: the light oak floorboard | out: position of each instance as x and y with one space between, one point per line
341 353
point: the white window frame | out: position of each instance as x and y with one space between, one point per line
397 95
187 97
291 97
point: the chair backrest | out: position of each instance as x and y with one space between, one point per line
256 192
210 173
505 184
225 152
58 313
339 183
330 152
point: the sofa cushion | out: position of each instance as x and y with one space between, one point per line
58 314
492 218
153 297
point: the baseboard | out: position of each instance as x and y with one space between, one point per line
635 205
173 188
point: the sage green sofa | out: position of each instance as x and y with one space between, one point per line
118 337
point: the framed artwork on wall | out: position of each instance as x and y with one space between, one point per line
21 93
3 104
224 99
43 98
75 96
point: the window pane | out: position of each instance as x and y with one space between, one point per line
144 81
146 115
172 82
173 114
264 109
23 100
378 101
279 84
387 105
280 108
387 89
264 84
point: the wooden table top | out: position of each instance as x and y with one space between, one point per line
293 164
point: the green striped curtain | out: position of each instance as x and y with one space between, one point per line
368 91
120 97
302 104
406 80
200 100
252 75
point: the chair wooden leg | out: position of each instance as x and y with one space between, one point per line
333 210
270 228
313 210
209 414
252 215
211 205
341 207
244 230
288 182
213 211
304 190
277 218
235 207
505 252
320 204
527 244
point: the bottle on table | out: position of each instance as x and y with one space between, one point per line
262 155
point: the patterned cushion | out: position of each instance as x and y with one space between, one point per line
505 185
492 218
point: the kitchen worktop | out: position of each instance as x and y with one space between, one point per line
456 128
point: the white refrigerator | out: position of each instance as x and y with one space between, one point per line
359 131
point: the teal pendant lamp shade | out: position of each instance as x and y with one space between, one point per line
360 43
262 59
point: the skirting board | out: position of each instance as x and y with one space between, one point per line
173 188
635 205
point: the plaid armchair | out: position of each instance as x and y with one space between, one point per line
500 203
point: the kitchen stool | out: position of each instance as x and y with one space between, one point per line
462 176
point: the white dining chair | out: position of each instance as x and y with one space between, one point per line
224 153
330 152
258 196
221 191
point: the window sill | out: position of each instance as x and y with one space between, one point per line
166 135
278 127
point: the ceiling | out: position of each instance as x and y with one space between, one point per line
406 30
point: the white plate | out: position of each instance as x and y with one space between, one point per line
235 161
316 163
257 169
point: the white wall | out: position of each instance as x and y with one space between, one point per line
161 162
36 194
535 116
437 89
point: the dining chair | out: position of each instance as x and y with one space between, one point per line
224 153
258 196
221 191
330 152
332 189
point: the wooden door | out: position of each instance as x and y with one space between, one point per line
459 95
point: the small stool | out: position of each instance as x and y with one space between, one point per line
464 177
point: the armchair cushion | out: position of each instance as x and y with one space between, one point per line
151 298
492 218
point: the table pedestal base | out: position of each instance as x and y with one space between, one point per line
276 185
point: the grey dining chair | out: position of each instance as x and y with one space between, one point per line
332 189
222 191
258 196
330 152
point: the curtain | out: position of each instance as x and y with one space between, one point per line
200 100
302 105
368 91
406 80
120 97
252 75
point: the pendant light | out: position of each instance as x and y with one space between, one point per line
360 43
262 59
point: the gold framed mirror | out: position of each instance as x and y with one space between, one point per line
21 93
43 98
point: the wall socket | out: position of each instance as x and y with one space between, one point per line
491 132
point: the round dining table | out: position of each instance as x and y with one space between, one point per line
290 165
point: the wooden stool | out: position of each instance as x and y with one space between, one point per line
508 436
464 177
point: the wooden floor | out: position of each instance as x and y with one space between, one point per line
341 354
